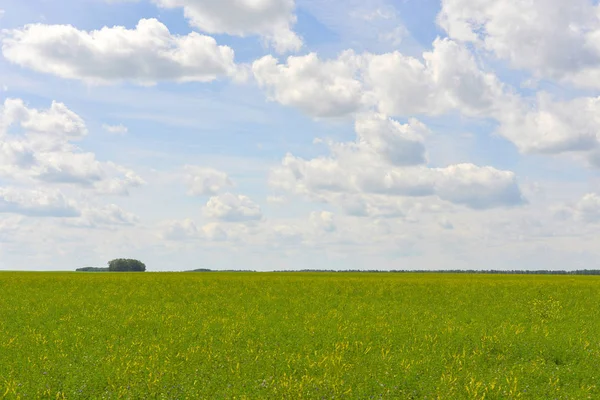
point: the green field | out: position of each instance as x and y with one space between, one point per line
320 335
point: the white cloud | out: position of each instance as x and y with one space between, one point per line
58 120
318 88
15 157
9 227
554 126
370 166
285 234
41 150
176 230
399 144
187 230
477 187
115 129
444 223
586 210
271 19
553 38
323 221
379 13
215 232
374 205
277 200
109 215
232 208
144 55
37 203
118 180
369 205
394 36
466 184
203 181
67 167
366 165
449 78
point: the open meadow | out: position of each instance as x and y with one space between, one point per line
299 335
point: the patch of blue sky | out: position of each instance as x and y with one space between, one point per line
419 16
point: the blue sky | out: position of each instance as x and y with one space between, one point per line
292 134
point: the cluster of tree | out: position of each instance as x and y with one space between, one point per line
126 265
118 265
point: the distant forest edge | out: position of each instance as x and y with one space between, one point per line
92 269
454 271
118 265
445 271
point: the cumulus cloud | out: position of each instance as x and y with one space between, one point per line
552 38
203 181
41 149
118 180
115 129
554 126
448 78
398 144
37 203
467 184
318 88
477 187
232 208
271 19
144 55
371 167
58 120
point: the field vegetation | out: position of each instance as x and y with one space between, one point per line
302 335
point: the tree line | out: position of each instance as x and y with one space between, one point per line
118 265
131 265
459 271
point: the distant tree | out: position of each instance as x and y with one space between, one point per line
126 265
92 269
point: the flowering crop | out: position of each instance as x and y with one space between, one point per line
298 335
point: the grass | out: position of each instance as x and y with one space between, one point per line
321 336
